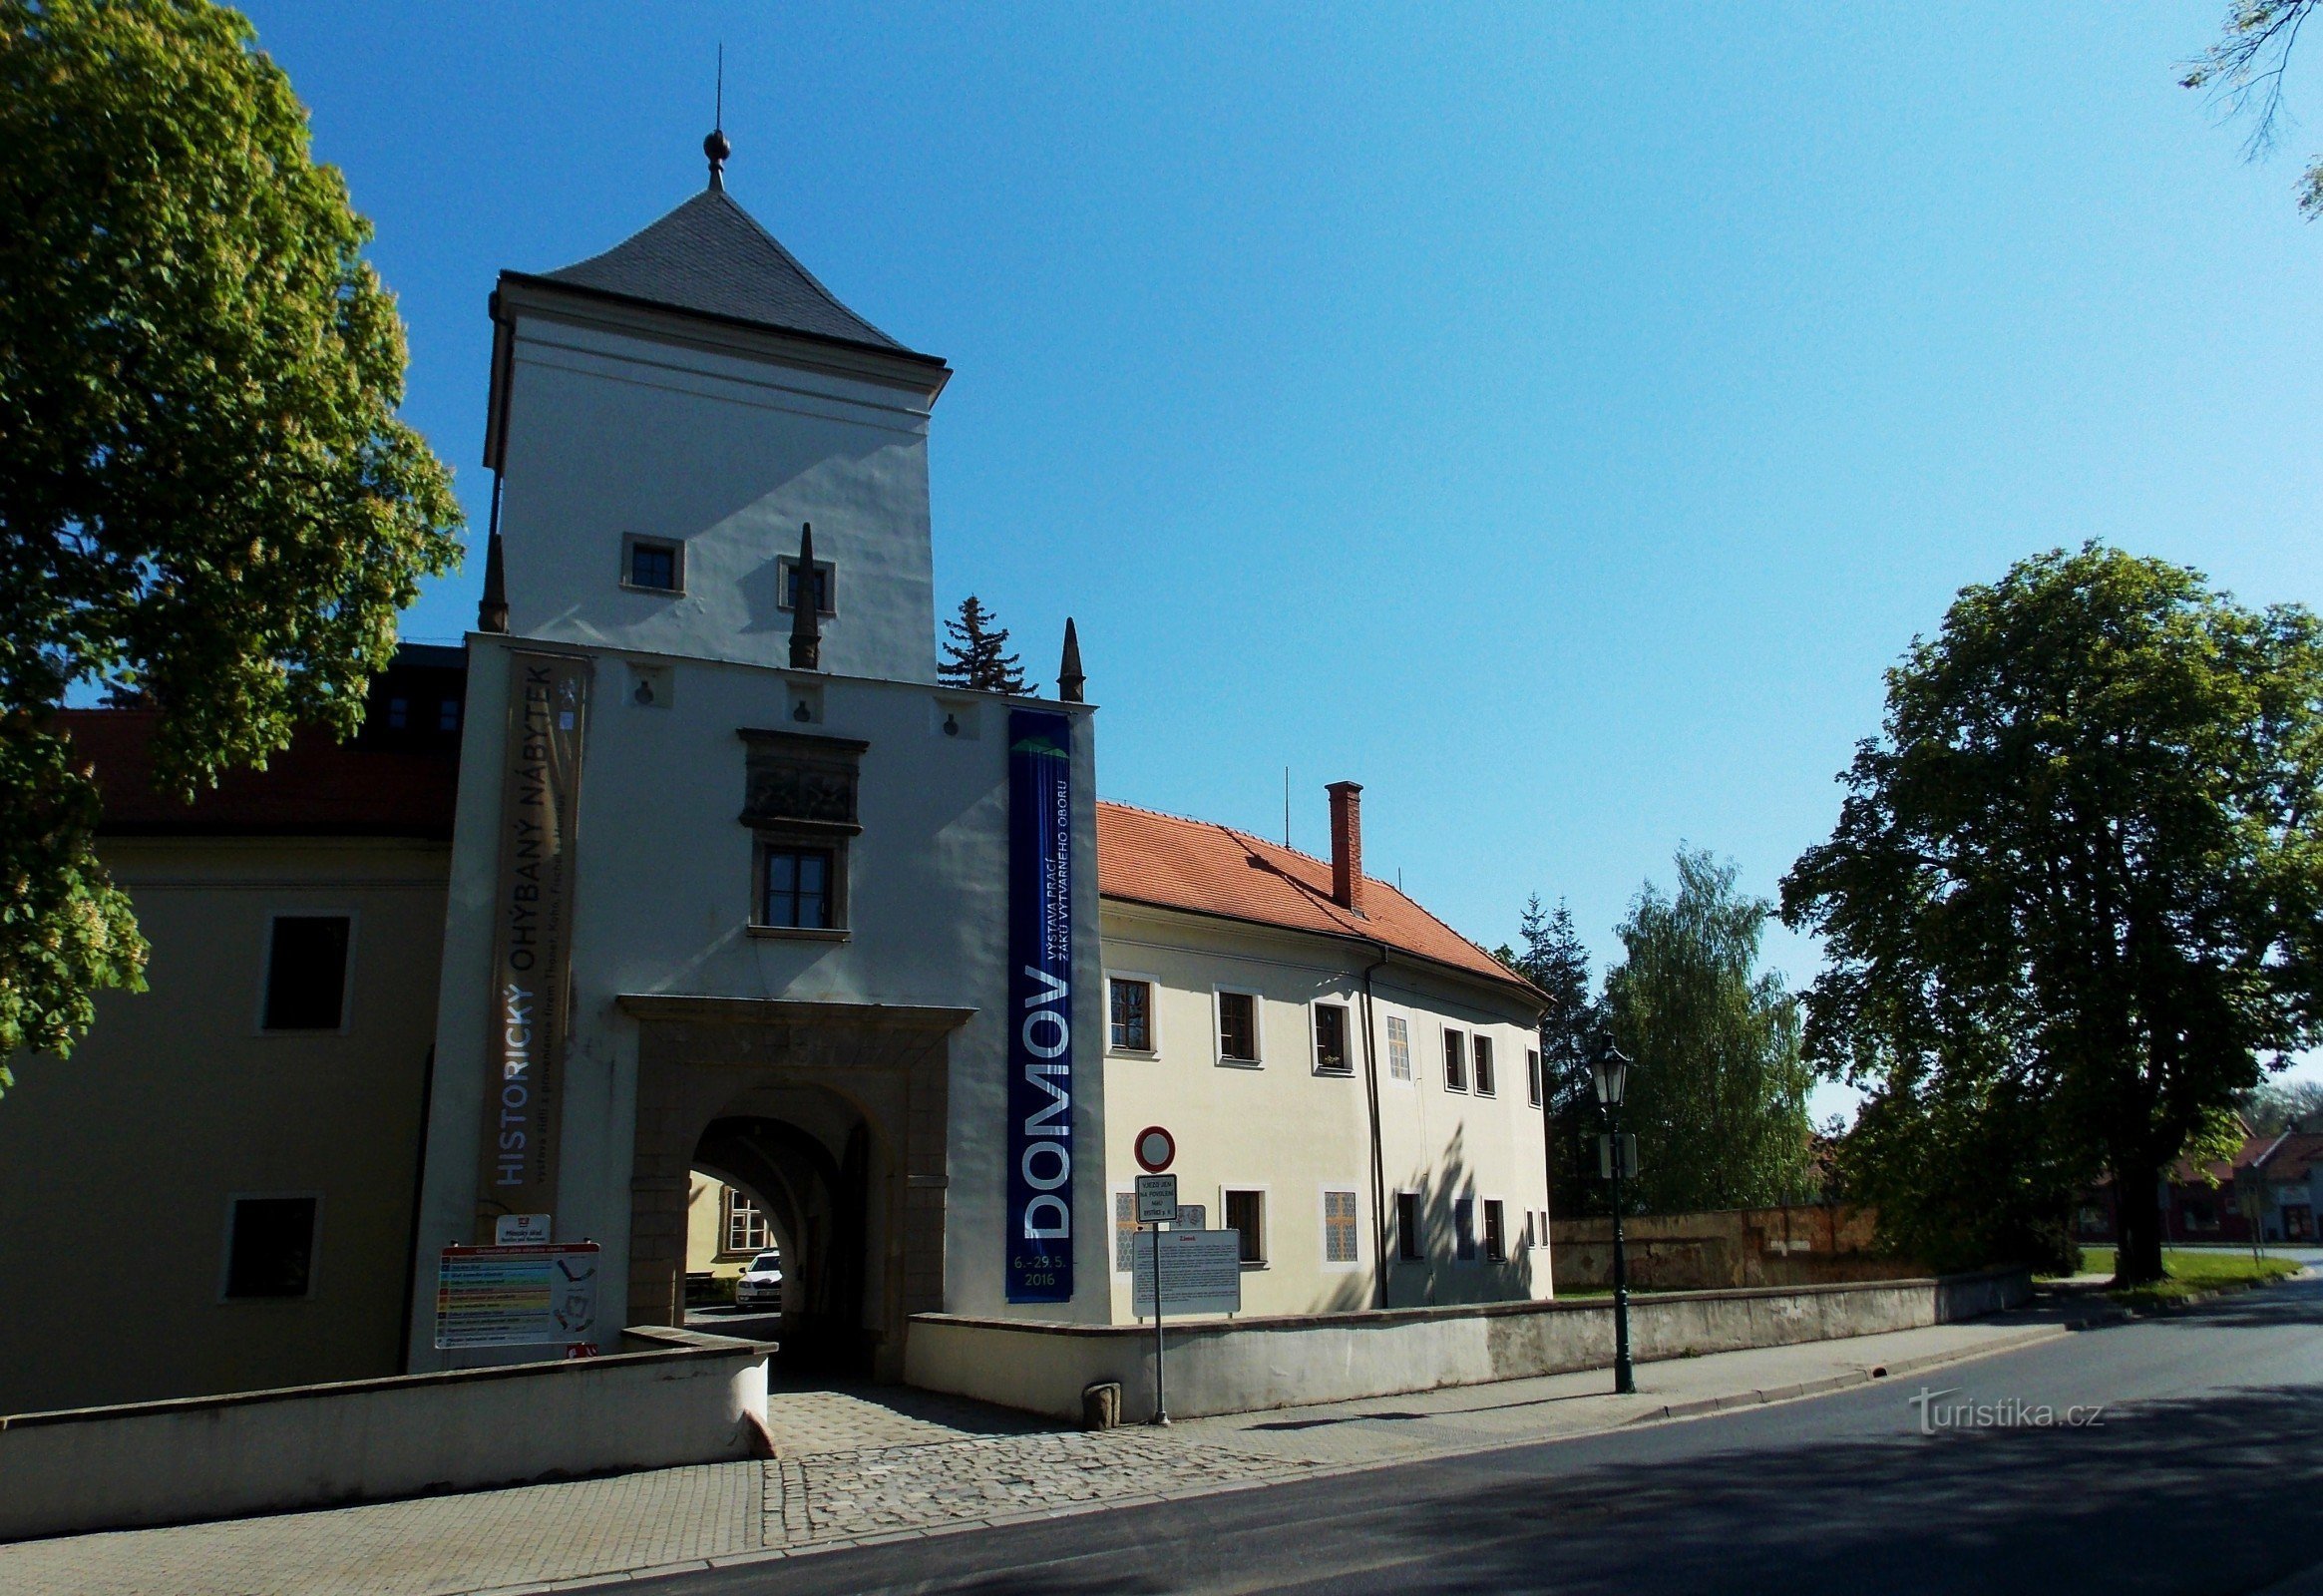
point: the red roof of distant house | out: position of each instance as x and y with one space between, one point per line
1209 869
316 787
2292 1155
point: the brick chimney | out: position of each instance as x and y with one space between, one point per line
1346 844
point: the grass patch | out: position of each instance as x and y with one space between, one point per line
2189 1274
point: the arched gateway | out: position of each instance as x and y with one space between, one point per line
835 1114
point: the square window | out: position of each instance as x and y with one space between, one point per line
1398 1048
1484 1066
1246 1212
1455 1060
1331 1049
1532 1075
1339 1245
1464 1229
656 565
1495 1233
797 888
270 1248
826 586
306 972
1411 1244
1237 1027
1131 1003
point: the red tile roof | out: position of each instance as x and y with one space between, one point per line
1209 869
316 788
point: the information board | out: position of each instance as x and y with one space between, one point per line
1201 1272
516 1295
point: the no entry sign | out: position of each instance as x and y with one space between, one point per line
1155 1149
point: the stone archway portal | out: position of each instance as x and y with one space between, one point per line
701 1059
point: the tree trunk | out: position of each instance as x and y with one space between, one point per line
2138 1251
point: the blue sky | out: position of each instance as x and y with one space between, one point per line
1553 417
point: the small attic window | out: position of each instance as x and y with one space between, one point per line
652 565
826 585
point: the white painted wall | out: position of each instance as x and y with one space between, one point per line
1284 1128
661 905
210 1457
1233 1368
620 422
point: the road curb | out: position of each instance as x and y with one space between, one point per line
1767 1395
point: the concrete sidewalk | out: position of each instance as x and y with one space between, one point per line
878 1461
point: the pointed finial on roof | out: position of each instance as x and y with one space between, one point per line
1069 679
806 610
717 146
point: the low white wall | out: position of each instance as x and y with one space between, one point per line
1238 1365
694 1400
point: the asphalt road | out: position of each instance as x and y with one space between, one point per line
2203 1472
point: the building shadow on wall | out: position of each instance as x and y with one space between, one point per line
1441 1277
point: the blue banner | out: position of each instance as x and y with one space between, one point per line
1040 1007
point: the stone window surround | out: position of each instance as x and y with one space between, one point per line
631 542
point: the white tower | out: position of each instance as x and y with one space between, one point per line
664 418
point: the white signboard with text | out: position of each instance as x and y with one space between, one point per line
516 1295
1201 1273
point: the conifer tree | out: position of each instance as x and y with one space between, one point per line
976 654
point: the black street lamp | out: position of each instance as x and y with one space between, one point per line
1612 1071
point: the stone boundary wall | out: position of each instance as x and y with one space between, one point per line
691 1399
1243 1365
1801 1244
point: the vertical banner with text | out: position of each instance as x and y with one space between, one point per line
532 936
1040 1007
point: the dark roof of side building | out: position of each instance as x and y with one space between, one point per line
711 257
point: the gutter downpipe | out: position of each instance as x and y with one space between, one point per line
1378 1161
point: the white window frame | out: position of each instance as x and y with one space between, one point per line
1153 989
1347 1038
1411 1078
1536 1080
1484 1231
1476 1075
1443 1051
1258 1032
354 920
1265 1196
1323 1196
225 1246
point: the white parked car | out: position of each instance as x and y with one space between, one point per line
761 1283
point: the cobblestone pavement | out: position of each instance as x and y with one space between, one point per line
851 1418
884 1490
427 1547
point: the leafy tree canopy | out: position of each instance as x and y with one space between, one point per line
1573 1030
1717 1089
2074 892
205 496
976 654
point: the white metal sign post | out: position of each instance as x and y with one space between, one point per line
1157 1205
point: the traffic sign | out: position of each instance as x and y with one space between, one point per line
1157 1199
1156 1148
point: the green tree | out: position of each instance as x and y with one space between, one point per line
977 657
2076 888
1717 1091
1572 1030
205 496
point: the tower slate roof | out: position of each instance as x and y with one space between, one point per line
711 256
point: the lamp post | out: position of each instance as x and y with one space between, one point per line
1612 1073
